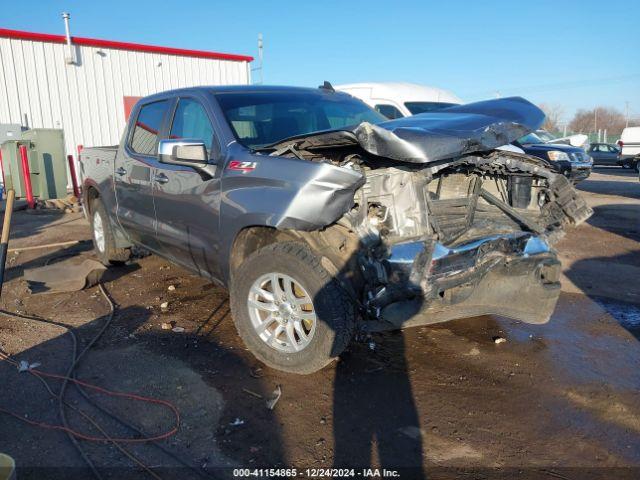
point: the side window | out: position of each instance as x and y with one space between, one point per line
147 127
191 121
388 111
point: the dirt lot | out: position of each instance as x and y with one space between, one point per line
560 400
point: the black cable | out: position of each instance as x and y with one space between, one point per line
72 373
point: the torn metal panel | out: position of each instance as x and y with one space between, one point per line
451 132
321 199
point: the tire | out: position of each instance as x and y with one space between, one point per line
334 322
104 243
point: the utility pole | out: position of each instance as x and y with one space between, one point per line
259 67
626 112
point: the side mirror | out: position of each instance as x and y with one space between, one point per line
185 151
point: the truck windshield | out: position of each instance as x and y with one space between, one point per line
422 107
260 119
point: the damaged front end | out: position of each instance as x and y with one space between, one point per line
444 226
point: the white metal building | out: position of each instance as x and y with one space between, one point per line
87 86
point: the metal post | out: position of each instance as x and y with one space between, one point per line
26 173
74 180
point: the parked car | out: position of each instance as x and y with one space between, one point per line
400 99
605 154
629 144
321 217
572 162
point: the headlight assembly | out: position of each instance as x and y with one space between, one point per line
557 155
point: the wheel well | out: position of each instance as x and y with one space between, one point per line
92 194
251 239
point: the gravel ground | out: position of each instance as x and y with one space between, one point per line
559 400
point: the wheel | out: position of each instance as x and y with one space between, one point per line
104 242
289 311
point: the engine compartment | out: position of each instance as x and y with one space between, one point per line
438 239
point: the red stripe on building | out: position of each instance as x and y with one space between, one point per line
137 47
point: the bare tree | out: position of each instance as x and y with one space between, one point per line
600 118
553 115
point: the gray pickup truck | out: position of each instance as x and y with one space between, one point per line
322 218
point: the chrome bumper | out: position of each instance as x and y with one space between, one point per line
514 275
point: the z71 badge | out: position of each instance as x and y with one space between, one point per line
242 166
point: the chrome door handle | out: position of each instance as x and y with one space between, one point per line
121 171
161 178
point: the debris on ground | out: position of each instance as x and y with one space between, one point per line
67 205
177 329
476 351
167 325
164 306
171 288
499 340
64 276
256 372
275 396
252 393
237 422
25 366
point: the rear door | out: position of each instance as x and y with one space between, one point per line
134 168
187 200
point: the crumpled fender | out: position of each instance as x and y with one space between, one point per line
451 132
288 193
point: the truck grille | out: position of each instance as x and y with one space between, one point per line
578 157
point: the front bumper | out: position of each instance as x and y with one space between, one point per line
574 171
513 275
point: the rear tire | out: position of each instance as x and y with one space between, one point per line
272 272
104 242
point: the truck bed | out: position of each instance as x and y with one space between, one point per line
97 162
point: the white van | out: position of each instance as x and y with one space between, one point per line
629 143
400 99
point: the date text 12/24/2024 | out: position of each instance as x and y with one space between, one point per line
315 473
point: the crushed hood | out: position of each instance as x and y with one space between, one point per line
439 135
452 131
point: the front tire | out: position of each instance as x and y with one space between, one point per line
104 242
288 310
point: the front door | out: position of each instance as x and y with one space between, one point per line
133 174
188 201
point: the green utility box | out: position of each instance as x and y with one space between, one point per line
47 163
12 167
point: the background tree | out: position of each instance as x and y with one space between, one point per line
600 118
553 114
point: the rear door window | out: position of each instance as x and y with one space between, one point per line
191 121
144 139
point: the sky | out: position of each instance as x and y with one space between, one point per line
574 54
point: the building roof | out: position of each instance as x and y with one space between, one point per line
136 47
